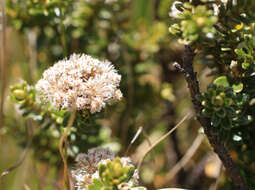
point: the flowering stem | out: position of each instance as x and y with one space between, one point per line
214 140
63 140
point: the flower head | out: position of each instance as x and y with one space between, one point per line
81 81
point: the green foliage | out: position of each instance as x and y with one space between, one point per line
84 134
25 96
225 107
32 13
194 23
106 30
133 35
114 176
229 53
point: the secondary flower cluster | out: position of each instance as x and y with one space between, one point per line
86 169
81 81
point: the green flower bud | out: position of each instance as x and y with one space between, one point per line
59 120
204 103
218 101
30 97
222 94
19 94
201 21
116 181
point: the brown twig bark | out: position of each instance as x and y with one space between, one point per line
218 146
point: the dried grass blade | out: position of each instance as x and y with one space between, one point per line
161 139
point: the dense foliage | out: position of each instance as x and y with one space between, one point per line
134 37
227 48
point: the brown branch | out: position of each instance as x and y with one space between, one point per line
214 140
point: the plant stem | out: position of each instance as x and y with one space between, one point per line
3 63
160 140
63 141
186 158
218 146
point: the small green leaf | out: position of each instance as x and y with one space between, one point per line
101 169
215 120
221 81
245 65
238 87
200 97
221 113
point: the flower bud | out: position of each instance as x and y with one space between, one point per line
218 101
59 120
19 94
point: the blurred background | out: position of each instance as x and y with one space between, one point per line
134 36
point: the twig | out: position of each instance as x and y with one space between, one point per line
26 187
134 139
215 186
23 155
195 175
161 139
60 146
214 140
185 159
3 63
146 136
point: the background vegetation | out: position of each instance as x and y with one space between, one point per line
134 36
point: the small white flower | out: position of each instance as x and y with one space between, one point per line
174 11
81 80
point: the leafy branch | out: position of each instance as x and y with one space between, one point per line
218 146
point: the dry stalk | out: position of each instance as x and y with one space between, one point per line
139 131
186 158
161 139
23 155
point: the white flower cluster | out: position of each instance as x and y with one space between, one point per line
81 80
87 168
